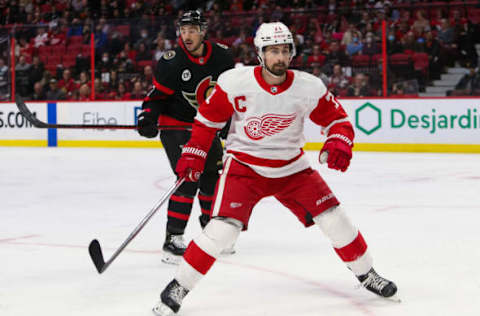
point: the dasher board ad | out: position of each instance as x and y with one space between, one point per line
13 126
417 121
98 113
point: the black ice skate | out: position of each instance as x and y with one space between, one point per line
173 248
170 299
376 284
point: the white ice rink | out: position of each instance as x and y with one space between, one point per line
419 213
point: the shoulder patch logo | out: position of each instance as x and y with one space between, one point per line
186 75
169 54
203 90
222 45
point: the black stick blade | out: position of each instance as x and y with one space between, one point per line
22 107
96 254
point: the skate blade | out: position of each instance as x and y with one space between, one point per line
228 252
171 259
162 310
394 299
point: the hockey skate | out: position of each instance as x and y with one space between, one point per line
173 249
170 299
377 284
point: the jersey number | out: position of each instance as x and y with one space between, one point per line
240 107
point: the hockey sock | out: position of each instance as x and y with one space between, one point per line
205 206
202 252
179 209
347 241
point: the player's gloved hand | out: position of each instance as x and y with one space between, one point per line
147 124
339 154
191 163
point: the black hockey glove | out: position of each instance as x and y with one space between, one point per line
147 124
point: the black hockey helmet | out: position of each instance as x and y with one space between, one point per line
193 17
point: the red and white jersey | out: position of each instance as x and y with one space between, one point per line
266 131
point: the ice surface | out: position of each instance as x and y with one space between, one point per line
419 213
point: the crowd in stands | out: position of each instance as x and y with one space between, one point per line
338 41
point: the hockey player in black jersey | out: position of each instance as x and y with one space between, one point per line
183 79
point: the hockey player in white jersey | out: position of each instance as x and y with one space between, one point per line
268 105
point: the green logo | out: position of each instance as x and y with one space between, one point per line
368 118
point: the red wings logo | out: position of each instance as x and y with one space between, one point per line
267 125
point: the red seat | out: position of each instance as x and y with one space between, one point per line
78 39
69 60
123 29
361 61
420 62
399 59
54 60
316 60
142 63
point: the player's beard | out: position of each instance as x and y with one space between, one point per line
278 69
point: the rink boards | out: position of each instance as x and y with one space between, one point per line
402 125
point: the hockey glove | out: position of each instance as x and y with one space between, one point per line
191 163
339 153
147 124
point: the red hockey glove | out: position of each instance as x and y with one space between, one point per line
191 163
339 153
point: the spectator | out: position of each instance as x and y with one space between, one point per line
24 48
38 92
359 86
3 80
466 39
54 93
148 77
435 61
36 71
143 53
159 50
446 34
421 24
22 70
41 39
66 84
336 55
469 84
101 38
393 45
317 72
370 47
355 47
121 93
338 80
99 90
138 93
84 93
316 58
57 37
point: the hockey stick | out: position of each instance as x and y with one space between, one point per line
96 251
22 107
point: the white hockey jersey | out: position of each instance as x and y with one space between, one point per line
266 131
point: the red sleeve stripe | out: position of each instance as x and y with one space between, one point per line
198 259
217 125
162 88
353 250
327 129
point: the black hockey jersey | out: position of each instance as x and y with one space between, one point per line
182 81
